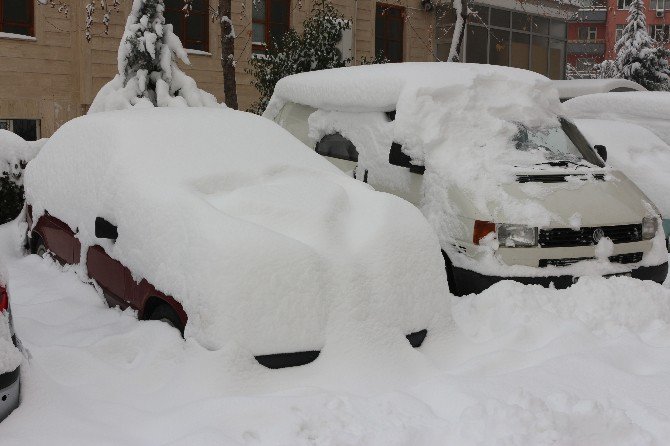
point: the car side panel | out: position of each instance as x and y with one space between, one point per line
58 238
109 273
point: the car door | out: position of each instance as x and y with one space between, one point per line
111 276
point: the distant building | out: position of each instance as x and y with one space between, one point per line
593 34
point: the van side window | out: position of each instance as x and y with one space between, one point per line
337 146
398 158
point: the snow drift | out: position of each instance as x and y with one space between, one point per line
263 242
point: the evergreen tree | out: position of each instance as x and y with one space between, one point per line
148 74
314 49
639 57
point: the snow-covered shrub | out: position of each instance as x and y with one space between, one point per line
639 57
148 74
14 155
314 49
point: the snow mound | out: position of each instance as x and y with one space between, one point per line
637 152
648 109
263 242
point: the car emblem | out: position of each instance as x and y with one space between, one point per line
598 234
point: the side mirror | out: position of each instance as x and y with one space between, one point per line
601 151
104 229
398 158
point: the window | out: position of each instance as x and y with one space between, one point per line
584 64
16 17
499 47
619 32
389 24
271 20
588 33
193 31
659 5
660 33
476 38
28 129
623 4
337 146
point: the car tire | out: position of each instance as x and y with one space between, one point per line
40 248
165 313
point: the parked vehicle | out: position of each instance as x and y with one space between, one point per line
10 356
219 223
571 88
512 188
648 109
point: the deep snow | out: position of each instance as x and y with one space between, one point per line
516 365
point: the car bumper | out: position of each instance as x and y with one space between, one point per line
472 282
10 386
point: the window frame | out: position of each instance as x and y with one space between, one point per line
10 125
261 47
30 6
664 30
183 26
386 18
625 3
618 32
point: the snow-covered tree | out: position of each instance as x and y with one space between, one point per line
148 74
639 57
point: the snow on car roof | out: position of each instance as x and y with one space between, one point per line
378 87
262 241
579 87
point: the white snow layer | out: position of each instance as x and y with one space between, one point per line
263 242
571 88
516 365
637 152
649 109
15 151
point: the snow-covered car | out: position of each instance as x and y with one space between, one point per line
571 88
638 153
222 224
511 187
648 109
10 356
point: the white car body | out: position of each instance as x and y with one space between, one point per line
590 197
571 88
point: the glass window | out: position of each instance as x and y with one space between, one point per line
520 21
660 33
659 5
500 17
389 25
481 14
623 4
476 44
540 25
553 142
16 16
619 31
28 129
271 19
193 31
539 57
337 146
520 50
558 29
499 47
556 59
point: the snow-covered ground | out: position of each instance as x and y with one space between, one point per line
515 365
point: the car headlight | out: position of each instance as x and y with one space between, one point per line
516 235
649 227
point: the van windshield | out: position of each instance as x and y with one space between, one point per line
560 143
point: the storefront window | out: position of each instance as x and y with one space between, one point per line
477 43
499 47
538 54
520 50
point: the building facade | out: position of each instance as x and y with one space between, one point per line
592 36
50 72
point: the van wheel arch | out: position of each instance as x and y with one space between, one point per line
157 308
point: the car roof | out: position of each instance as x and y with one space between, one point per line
578 87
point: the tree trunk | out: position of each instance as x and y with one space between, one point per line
458 55
228 53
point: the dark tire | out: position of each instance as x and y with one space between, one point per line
40 248
166 314
449 267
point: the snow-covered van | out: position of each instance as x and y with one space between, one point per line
220 223
511 187
10 356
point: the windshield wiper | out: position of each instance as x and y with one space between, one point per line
562 163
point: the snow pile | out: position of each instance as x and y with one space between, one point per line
148 74
15 152
638 153
261 241
648 109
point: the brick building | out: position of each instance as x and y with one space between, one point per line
49 73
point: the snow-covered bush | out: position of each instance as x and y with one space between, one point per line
639 57
148 74
15 153
314 49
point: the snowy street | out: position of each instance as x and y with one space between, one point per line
514 365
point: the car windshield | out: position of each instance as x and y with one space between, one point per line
560 144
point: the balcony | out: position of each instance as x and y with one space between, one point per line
592 15
593 47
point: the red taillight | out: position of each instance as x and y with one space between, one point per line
4 299
482 229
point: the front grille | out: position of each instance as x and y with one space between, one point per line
558 237
557 178
632 257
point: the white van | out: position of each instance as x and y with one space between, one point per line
512 188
